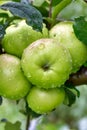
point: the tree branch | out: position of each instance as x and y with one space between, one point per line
50 9
79 78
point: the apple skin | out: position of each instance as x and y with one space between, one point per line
46 63
43 101
64 33
19 35
13 83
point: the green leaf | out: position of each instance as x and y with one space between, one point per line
55 2
32 15
2 31
72 88
85 64
0 100
71 97
4 15
10 112
80 29
71 94
25 1
43 8
15 126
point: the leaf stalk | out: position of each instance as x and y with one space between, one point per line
57 9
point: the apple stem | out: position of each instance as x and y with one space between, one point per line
27 115
28 122
50 9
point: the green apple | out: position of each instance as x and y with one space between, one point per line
4 1
46 63
13 83
64 33
43 101
19 35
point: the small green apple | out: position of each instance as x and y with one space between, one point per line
19 35
13 83
43 101
64 33
46 63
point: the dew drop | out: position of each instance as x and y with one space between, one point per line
29 76
41 46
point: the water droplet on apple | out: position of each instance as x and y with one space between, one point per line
41 46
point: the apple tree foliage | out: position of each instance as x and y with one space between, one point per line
35 12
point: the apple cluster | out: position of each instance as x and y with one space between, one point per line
36 65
